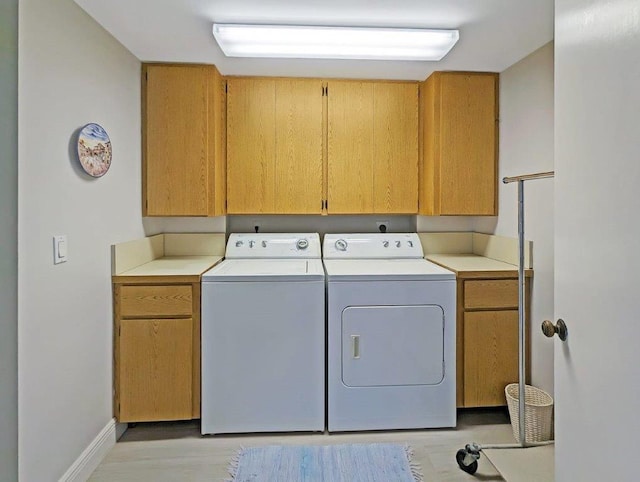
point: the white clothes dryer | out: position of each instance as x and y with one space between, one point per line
391 334
263 336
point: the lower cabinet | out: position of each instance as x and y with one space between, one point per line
490 356
157 352
487 339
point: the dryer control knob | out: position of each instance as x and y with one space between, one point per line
302 243
341 245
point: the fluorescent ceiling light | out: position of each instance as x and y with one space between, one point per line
312 42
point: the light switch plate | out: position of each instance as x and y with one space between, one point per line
60 250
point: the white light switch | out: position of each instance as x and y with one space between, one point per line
59 249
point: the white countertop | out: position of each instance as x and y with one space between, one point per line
174 266
470 262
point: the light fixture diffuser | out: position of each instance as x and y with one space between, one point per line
313 42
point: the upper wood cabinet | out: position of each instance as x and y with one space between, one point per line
275 146
372 140
350 147
183 140
459 137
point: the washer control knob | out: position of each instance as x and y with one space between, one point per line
251 243
410 244
302 243
385 244
398 244
264 244
341 245
239 243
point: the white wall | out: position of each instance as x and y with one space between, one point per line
155 225
320 224
526 146
9 241
71 72
445 223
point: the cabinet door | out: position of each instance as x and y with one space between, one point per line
395 141
467 144
154 370
458 137
175 129
217 143
251 143
490 356
350 147
299 144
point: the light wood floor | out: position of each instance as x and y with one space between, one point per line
176 452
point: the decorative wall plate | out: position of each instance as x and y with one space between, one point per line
94 150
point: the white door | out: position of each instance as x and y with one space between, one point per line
597 239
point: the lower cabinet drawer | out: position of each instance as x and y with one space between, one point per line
154 370
498 293
156 300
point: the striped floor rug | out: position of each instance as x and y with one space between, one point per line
327 463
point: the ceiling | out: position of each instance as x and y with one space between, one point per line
494 34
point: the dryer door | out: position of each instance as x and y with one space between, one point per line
392 345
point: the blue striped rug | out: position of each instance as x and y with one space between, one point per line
328 463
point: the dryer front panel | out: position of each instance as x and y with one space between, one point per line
392 345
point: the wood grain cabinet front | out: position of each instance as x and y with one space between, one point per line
275 146
487 338
155 367
372 140
156 351
308 146
459 139
183 140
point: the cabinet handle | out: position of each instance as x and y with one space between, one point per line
355 345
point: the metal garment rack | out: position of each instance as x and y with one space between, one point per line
467 458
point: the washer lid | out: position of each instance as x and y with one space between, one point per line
266 270
385 270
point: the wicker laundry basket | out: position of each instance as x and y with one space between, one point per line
538 419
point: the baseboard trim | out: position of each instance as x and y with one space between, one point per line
91 457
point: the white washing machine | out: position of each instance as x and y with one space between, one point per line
391 334
263 336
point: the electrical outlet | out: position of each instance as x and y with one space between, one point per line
383 226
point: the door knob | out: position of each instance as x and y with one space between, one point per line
560 328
